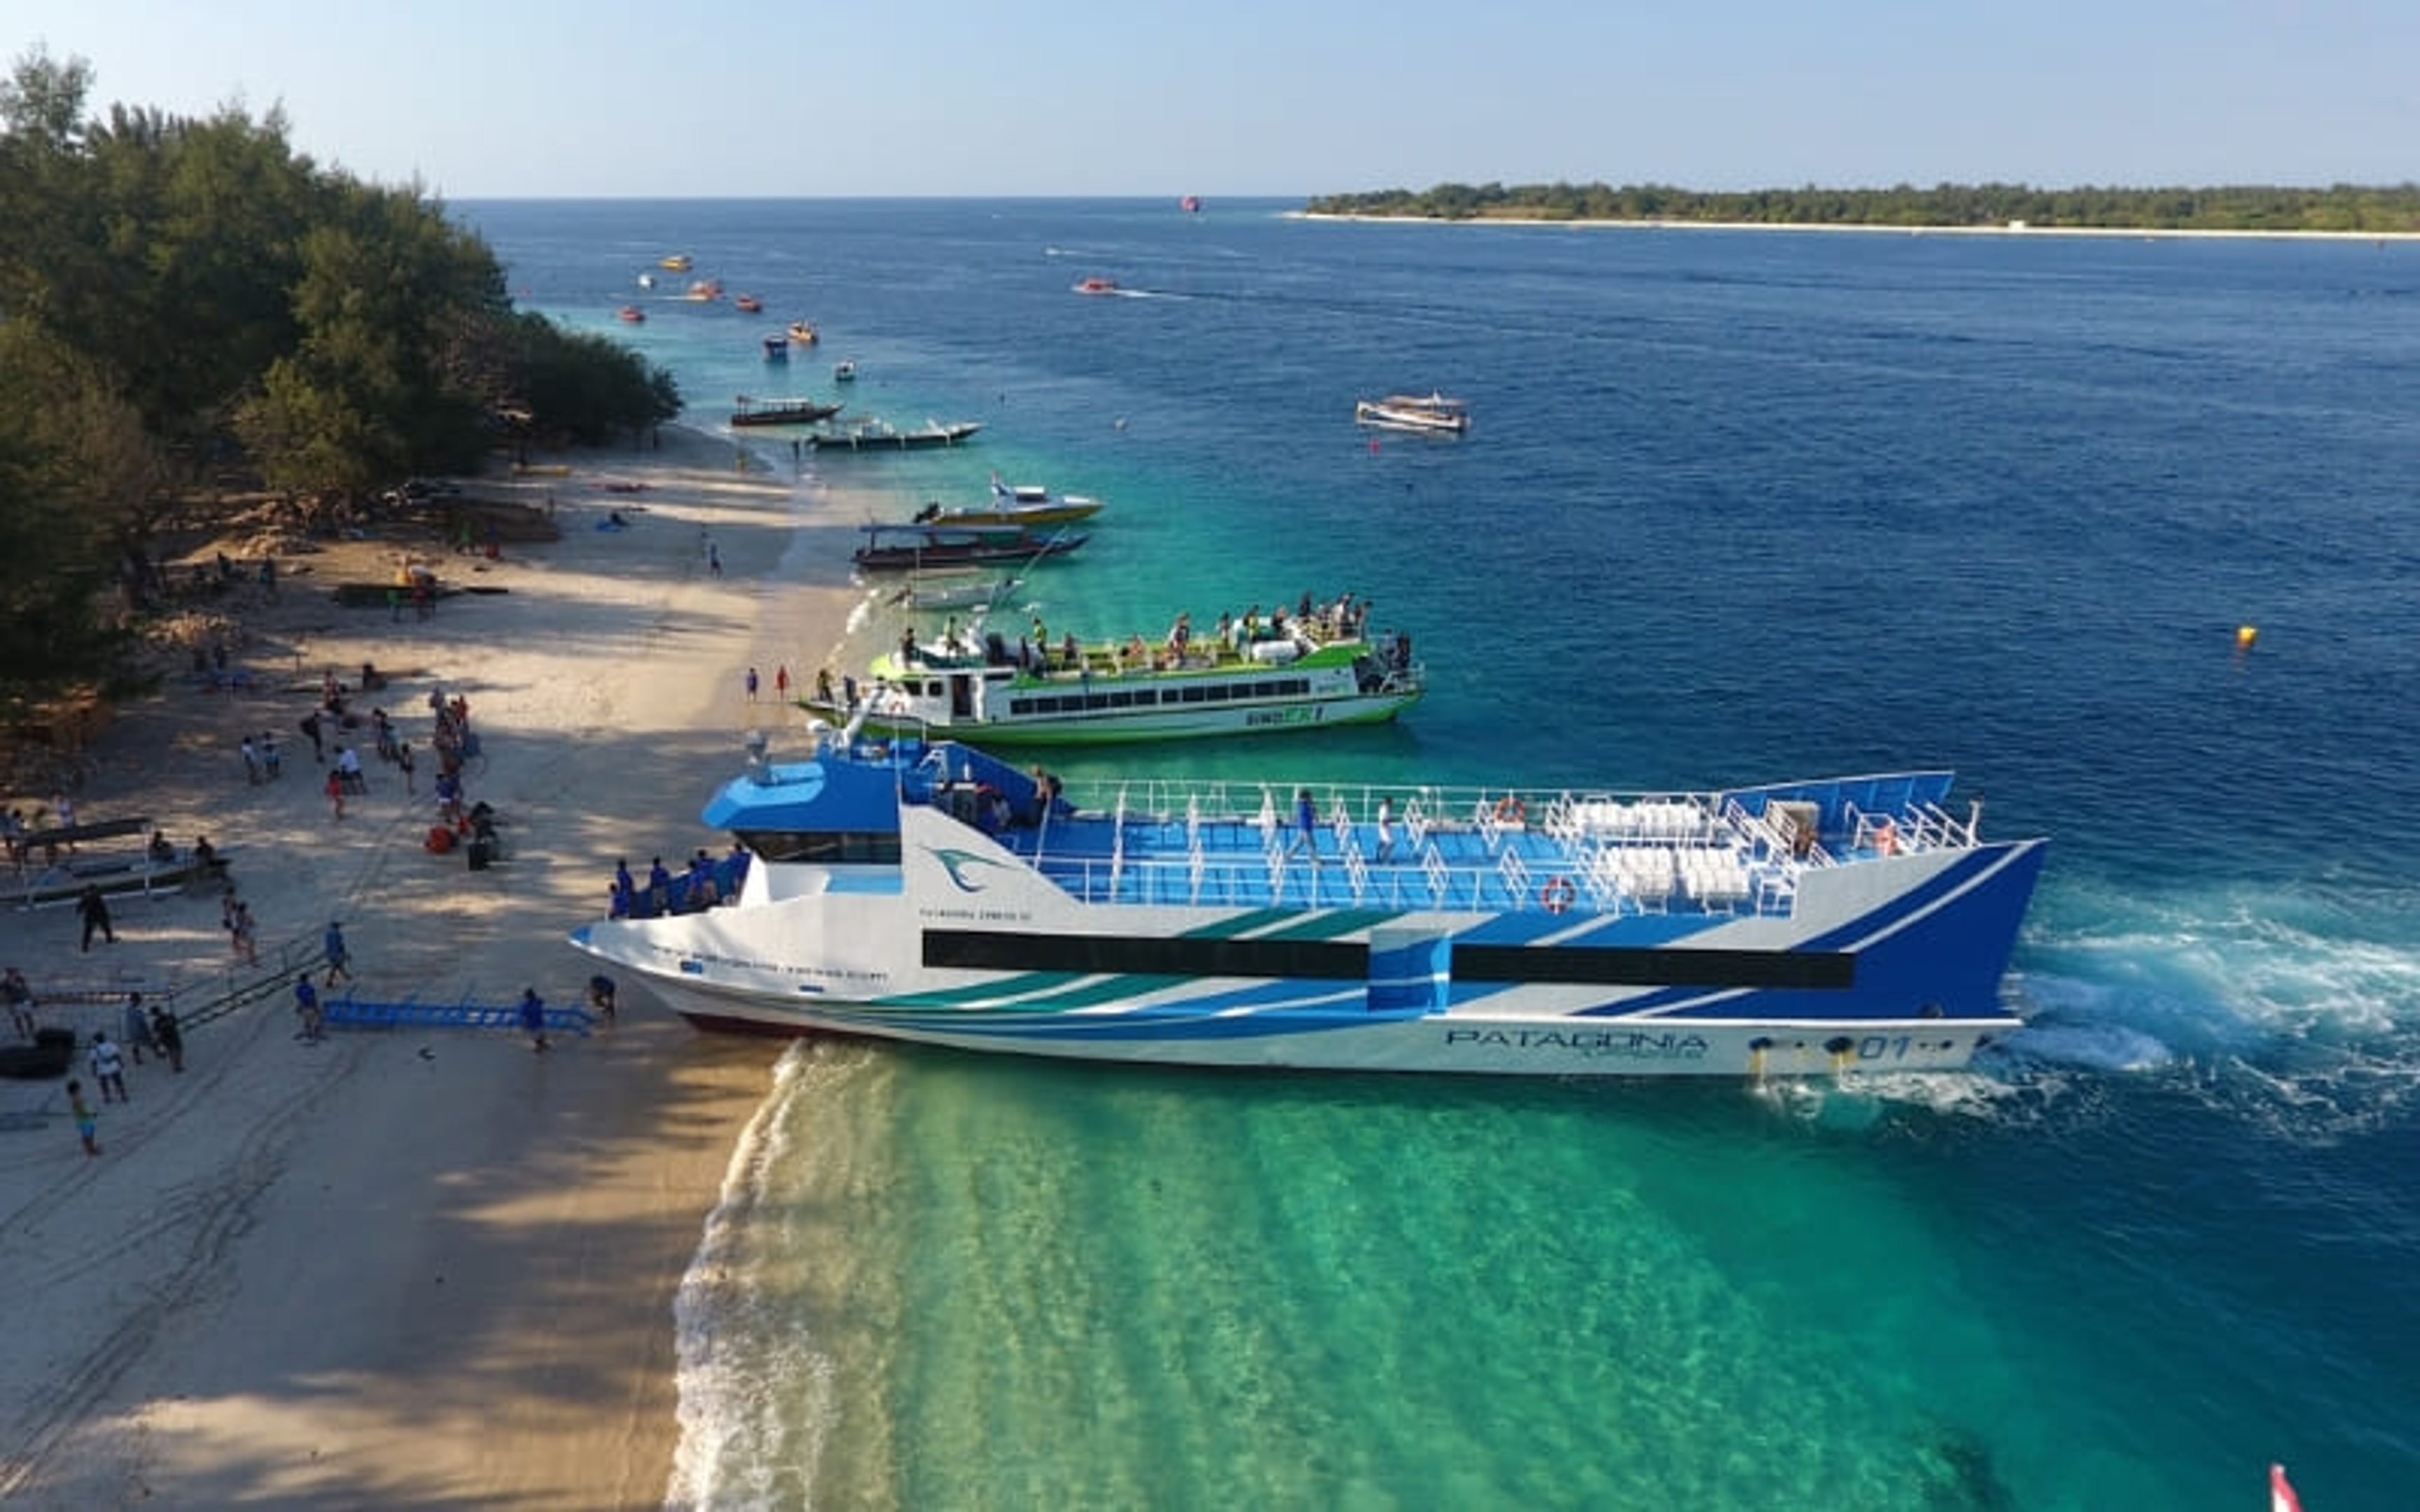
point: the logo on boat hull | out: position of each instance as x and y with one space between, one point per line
956 862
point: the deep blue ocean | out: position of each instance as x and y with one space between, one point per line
1736 506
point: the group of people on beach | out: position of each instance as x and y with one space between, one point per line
146 1033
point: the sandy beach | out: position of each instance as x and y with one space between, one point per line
413 1267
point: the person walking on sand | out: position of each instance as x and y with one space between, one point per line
533 1018
782 682
87 1125
247 935
340 959
107 1066
335 789
94 910
752 685
403 760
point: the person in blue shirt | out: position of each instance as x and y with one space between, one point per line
339 958
307 1008
534 1018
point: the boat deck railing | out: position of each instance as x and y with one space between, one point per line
1500 851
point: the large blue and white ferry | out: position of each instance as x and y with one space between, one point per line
937 894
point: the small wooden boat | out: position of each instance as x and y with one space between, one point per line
803 333
953 588
54 875
782 411
873 434
914 548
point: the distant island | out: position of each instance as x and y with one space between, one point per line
2346 210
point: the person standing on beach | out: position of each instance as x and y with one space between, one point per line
87 1125
94 910
310 726
108 1067
307 1008
20 998
340 959
247 935
335 790
403 760
782 682
134 1027
752 685
533 1018
169 1035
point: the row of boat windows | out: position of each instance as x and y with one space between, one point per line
1144 698
828 848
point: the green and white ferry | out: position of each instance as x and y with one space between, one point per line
1251 678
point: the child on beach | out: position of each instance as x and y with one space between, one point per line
533 1018
87 1126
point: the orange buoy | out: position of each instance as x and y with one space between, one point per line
2245 635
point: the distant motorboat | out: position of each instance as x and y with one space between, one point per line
646 280
845 371
803 333
1435 415
747 305
678 262
1191 204
705 290
1098 285
777 348
1025 504
630 315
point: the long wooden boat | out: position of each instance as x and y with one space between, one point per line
873 434
911 548
937 894
782 411
52 874
1265 679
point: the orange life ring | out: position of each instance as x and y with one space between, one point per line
1558 894
1510 810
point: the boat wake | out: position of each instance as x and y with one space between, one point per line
757 1394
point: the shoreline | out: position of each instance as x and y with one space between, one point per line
414 1266
2140 233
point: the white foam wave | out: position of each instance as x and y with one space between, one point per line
756 1395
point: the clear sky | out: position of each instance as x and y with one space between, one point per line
514 97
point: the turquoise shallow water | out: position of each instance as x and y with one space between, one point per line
1737 508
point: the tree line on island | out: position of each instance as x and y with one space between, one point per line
2352 209
188 304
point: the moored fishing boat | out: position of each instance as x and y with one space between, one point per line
946 589
630 315
938 895
747 305
1024 504
912 548
1435 415
1247 677
749 411
678 262
804 332
777 348
871 433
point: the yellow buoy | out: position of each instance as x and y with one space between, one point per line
2245 635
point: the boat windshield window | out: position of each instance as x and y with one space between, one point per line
828 846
